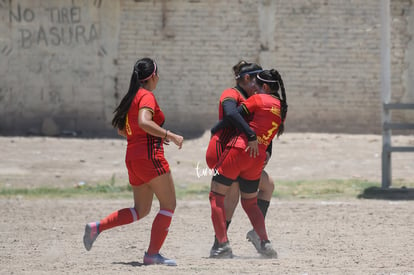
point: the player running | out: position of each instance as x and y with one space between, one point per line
139 118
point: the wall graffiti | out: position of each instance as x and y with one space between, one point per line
57 26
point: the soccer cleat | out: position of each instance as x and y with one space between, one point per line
254 239
158 259
91 233
223 251
266 249
215 244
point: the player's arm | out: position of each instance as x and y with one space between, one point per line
220 125
233 117
249 106
146 123
242 110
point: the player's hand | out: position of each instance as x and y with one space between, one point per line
177 139
254 148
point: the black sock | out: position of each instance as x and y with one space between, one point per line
228 224
263 205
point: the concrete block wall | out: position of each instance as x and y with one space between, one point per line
328 53
57 71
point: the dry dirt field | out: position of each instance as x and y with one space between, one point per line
340 236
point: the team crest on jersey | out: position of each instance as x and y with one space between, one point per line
275 111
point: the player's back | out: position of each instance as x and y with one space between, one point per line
266 118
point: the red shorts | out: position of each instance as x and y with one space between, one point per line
141 171
235 163
214 150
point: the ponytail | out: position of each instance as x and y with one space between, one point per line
283 107
122 110
143 70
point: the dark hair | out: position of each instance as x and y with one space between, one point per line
143 70
275 81
243 68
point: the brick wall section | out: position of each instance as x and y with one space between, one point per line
328 53
195 44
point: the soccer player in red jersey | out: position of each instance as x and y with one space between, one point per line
266 115
139 118
245 74
229 100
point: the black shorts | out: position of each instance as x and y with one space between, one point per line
246 186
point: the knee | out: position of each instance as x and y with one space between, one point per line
248 202
170 205
216 200
267 185
142 210
173 205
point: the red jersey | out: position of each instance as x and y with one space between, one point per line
142 145
265 120
228 94
220 139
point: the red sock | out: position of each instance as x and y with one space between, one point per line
159 230
218 216
255 216
120 217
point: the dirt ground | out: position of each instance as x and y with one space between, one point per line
342 236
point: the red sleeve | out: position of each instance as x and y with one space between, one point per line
147 101
252 103
230 94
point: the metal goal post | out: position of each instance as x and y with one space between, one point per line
387 124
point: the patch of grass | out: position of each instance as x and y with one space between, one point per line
321 189
107 189
192 191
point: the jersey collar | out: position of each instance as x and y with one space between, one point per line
241 91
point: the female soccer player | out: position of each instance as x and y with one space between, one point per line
235 162
140 119
245 74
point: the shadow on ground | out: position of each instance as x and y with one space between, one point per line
402 193
135 263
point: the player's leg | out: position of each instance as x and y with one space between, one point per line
143 200
249 179
228 169
266 187
219 187
163 188
248 193
231 200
